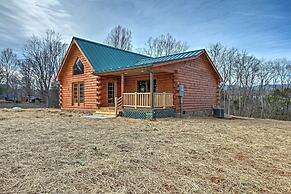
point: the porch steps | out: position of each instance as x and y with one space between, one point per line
106 111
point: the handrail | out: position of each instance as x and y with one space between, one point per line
138 93
118 104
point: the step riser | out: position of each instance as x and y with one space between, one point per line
104 113
110 109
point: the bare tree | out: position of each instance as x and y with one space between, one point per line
1 72
27 81
265 77
14 86
164 45
44 55
120 37
8 61
245 79
225 59
248 86
289 74
281 70
246 70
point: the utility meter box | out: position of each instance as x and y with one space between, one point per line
181 90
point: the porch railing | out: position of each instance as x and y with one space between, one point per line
163 100
142 100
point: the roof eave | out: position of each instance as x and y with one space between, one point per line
64 59
121 70
212 64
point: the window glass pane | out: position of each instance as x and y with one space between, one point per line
78 67
81 92
75 93
144 86
110 92
141 86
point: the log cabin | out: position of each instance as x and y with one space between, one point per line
96 77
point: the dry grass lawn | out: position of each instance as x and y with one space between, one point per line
60 152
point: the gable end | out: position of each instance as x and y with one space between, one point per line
72 47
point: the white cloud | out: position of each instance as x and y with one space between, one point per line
20 19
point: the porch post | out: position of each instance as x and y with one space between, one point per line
122 85
151 91
152 99
115 88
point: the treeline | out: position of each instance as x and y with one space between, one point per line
253 87
33 73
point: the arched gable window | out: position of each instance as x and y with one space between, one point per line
78 67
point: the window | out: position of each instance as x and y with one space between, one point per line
78 67
110 92
75 93
144 86
78 93
81 92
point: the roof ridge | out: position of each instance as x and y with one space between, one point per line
104 45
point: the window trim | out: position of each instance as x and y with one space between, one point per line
81 99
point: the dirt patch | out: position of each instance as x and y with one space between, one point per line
45 150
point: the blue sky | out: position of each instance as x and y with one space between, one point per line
263 27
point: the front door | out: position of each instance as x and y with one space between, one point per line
110 93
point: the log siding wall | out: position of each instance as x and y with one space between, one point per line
201 84
67 79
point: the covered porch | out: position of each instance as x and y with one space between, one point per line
140 91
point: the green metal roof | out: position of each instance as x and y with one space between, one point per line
169 58
106 59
